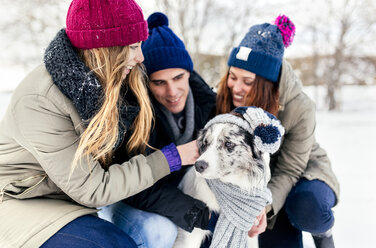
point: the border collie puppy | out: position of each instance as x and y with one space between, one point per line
231 175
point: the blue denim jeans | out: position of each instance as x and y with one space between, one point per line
89 231
308 208
147 229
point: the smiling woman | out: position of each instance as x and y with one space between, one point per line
135 57
67 123
240 83
302 178
244 88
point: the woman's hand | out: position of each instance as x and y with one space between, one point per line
259 226
188 153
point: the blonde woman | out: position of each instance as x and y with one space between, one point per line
64 126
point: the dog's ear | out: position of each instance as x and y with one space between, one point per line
249 139
201 141
200 135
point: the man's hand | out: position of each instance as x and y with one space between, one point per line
188 153
259 225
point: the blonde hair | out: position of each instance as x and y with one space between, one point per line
102 132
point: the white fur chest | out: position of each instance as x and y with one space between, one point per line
197 187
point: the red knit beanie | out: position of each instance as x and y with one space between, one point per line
98 23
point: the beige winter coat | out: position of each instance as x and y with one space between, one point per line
38 138
300 155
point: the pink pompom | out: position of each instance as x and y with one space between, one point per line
287 28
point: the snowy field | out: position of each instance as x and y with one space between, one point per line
349 136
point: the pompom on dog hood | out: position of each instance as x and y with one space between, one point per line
265 127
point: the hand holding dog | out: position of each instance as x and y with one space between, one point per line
260 227
188 153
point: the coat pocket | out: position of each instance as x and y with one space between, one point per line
18 189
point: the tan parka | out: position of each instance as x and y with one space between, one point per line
299 156
39 135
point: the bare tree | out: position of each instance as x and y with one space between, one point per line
190 20
337 38
28 28
341 36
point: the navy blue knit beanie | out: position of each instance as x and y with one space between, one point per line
261 50
163 49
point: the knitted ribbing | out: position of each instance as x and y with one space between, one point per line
239 209
265 127
262 48
164 49
80 85
187 135
98 23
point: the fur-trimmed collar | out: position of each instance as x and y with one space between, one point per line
80 85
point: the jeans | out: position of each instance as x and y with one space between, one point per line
89 231
307 208
147 229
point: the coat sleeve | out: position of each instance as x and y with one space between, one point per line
165 199
289 164
44 127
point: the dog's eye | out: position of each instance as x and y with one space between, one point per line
229 145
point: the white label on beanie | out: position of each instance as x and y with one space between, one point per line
243 53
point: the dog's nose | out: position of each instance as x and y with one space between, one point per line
201 166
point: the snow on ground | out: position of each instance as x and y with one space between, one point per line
349 136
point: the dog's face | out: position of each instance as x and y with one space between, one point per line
227 153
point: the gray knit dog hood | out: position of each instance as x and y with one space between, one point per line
265 127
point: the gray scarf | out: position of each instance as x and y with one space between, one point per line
239 210
189 121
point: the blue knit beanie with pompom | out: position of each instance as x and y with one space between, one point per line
163 49
262 48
